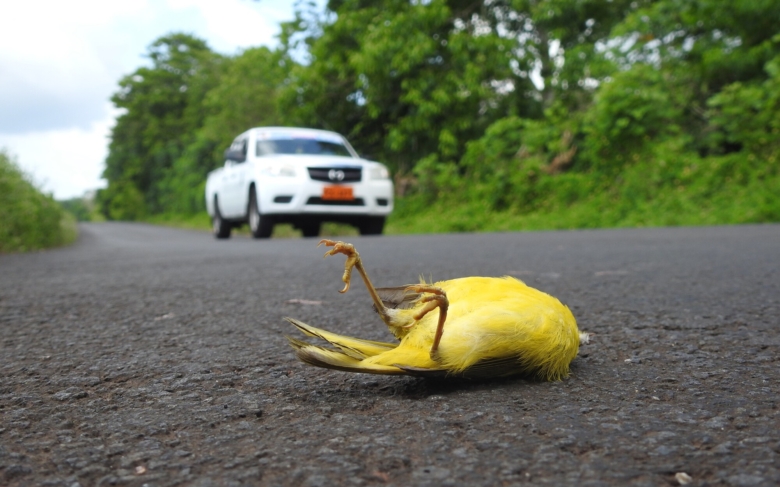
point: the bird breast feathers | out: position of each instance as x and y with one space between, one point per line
491 317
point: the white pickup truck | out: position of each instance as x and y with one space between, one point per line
300 176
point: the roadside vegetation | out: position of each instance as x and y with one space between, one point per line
29 220
491 115
83 209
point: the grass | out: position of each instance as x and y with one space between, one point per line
630 202
29 219
702 195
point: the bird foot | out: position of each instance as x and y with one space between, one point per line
435 298
353 258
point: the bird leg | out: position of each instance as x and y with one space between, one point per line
353 261
436 299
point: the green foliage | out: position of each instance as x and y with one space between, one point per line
244 97
563 39
721 43
84 209
180 115
29 220
747 115
407 80
636 107
640 112
703 45
666 186
163 108
78 208
122 200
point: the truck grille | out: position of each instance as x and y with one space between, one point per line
335 174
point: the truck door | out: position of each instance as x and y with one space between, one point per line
233 182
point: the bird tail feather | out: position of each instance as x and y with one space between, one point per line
353 347
349 356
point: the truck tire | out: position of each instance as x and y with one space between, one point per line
372 225
260 225
219 226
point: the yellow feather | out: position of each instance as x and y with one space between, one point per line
354 347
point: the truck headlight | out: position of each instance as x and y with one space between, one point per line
379 171
279 170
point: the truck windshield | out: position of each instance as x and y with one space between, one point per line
269 147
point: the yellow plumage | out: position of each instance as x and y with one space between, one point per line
487 327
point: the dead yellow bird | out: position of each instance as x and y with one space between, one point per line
484 327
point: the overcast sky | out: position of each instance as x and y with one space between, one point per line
60 62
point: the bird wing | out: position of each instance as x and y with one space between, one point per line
398 297
493 367
423 372
489 368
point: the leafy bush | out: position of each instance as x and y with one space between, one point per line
748 114
78 208
122 200
29 219
84 209
635 107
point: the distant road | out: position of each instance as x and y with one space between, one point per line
148 355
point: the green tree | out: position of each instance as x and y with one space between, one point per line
563 41
78 208
638 106
245 97
519 105
405 80
163 107
417 80
747 115
704 45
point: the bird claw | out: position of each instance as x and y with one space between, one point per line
338 247
435 298
353 261
352 258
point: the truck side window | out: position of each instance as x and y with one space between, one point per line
239 145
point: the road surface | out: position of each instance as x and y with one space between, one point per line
145 355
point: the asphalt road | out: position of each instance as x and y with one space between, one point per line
151 356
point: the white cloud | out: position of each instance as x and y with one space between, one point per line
228 25
54 63
60 62
66 162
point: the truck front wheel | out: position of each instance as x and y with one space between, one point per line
311 228
219 226
372 225
260 225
